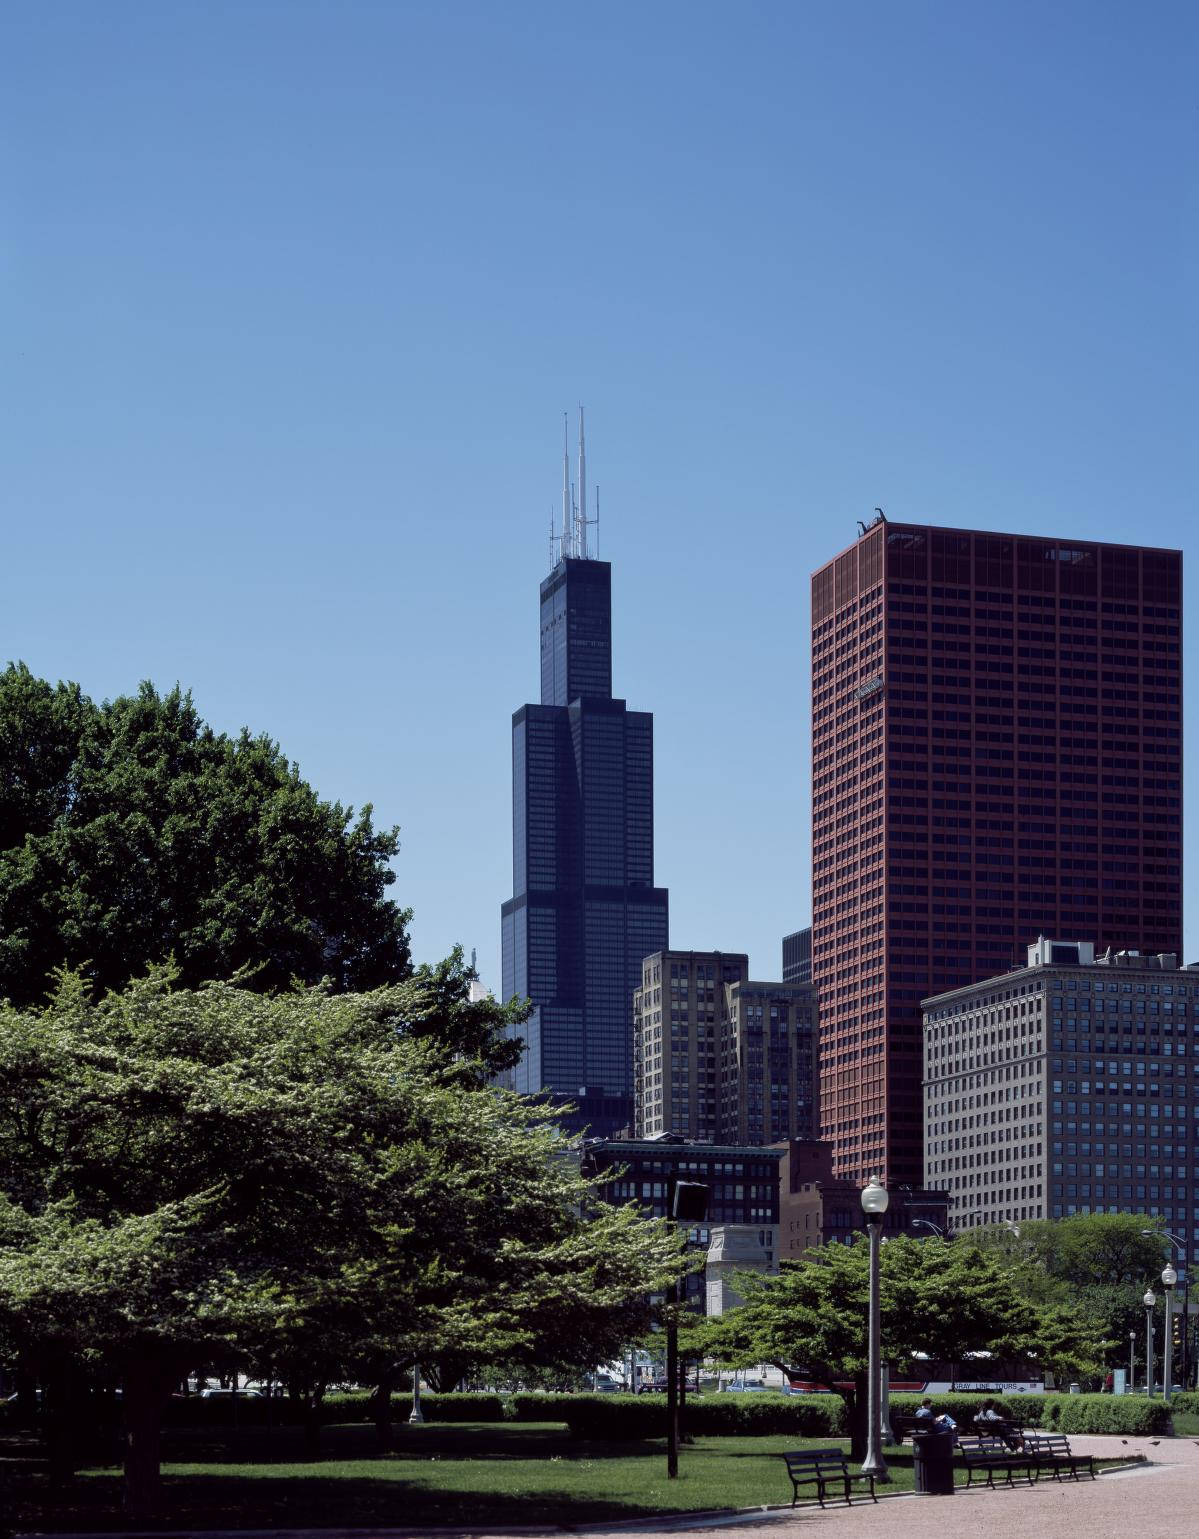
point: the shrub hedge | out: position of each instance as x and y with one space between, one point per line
631 1418
1186 1402
1026 1410
1058 1413
340 1406
1107 1413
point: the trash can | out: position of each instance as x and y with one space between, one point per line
934 1463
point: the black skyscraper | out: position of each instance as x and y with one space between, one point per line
584 910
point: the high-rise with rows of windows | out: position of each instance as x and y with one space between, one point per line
719 1055
997 745
1066 1086
584 910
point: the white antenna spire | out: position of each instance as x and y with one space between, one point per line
597 547
567 509
582 538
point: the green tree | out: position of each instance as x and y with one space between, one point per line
187 1176
131 832
1096 1264
941 1300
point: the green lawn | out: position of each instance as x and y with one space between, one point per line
440 1474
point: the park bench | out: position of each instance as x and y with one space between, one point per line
1011 1432
1051 1451
991 1456
824 1468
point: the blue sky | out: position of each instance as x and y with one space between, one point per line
293 296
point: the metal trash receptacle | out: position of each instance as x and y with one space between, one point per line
933 1463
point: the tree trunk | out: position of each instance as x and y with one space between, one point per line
857 1407
381 1409
60 1419
26 1408
307 1398
146 1390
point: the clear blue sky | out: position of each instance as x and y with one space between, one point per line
294 296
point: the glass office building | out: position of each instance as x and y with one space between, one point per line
584 910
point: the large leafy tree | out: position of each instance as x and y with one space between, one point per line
1097 1263
300 1179
131 832
939 1300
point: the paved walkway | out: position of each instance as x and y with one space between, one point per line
1159 1497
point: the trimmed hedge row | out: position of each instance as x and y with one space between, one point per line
626 1418
341 1406
1107 1413
630 1418
1027 1410
1186 1401
1128 1414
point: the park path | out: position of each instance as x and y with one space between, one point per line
1161 1496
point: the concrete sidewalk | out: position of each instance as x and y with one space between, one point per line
1161 1496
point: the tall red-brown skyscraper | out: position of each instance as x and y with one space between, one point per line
996 755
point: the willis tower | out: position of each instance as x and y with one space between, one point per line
584 910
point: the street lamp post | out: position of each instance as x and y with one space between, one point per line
927 1223
874 1205
1132 1359
416 1416
688 1205
1180 1247
1169 1278
1149 1300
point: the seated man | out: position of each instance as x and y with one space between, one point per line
988 1419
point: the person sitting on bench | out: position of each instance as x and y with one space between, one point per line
988 1419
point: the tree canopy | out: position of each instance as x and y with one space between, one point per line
1096 1263
131 832
939 1300
302 1179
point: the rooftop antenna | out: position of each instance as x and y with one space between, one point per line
582 526
596 519
567 509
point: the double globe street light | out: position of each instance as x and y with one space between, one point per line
1149 1301
875 1198
1169 1278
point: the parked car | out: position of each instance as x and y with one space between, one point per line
231 1394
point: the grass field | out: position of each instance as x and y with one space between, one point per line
439 1474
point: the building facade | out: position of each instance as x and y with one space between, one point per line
769 1063
719 1056
997 730
678 1017
1067 1086
584 909
797 956
817 1209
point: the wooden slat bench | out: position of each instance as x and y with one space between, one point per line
991 1456
823 1468
1011 1432
1051 1451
